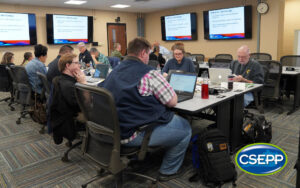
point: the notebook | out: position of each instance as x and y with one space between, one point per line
218 75
184 85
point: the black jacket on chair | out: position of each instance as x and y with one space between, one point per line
64 108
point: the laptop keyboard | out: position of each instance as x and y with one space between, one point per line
92 80
181 98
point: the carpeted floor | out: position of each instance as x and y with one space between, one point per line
29 159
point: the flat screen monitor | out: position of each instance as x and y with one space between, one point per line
229 23
67 29
180 27
17 29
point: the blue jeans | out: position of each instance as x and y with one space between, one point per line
175 137
248 98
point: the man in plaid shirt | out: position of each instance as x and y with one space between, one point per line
143 96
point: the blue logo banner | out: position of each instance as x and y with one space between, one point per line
261 159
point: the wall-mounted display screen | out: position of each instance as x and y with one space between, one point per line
179 27
17 29
229 23
67 29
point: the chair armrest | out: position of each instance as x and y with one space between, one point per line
148 128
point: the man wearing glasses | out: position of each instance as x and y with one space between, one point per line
247 70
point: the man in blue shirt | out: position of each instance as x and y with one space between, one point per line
179 62
37 65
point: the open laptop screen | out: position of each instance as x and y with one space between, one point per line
183 82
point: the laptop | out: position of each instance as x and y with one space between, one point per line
184 85
218 75
100 73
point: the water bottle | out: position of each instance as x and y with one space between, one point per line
230 82
204 86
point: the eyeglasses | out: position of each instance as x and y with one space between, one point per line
178 54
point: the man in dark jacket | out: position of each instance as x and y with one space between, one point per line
247 70
143 96
53 66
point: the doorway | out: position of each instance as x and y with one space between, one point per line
116 33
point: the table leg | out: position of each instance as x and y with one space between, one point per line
237 107
296 95
223 118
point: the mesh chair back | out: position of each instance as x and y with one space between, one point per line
46 87
271 88
261 56
23 85
114 61
199 58
5 81
290 60
219 63
102 141
153 63
224 56
14 81
197 67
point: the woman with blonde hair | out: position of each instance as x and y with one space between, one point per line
8 59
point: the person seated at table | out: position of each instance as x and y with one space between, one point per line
64 108
84 55
37 65
98 57
156 55
117 51
27 57
53 66
146 98
247 70
179 62
8 59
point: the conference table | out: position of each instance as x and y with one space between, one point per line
229 112
296 78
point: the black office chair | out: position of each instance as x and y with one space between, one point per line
224 56
44 95
261 56
5 83
290 60
15 92
24 90
219 63
271 91
153 63
197 67
199 58
46 89
101 142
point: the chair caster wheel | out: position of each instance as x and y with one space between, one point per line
83 186
65 158
18 121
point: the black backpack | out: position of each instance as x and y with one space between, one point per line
210 153
256 128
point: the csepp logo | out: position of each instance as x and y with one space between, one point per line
261 159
